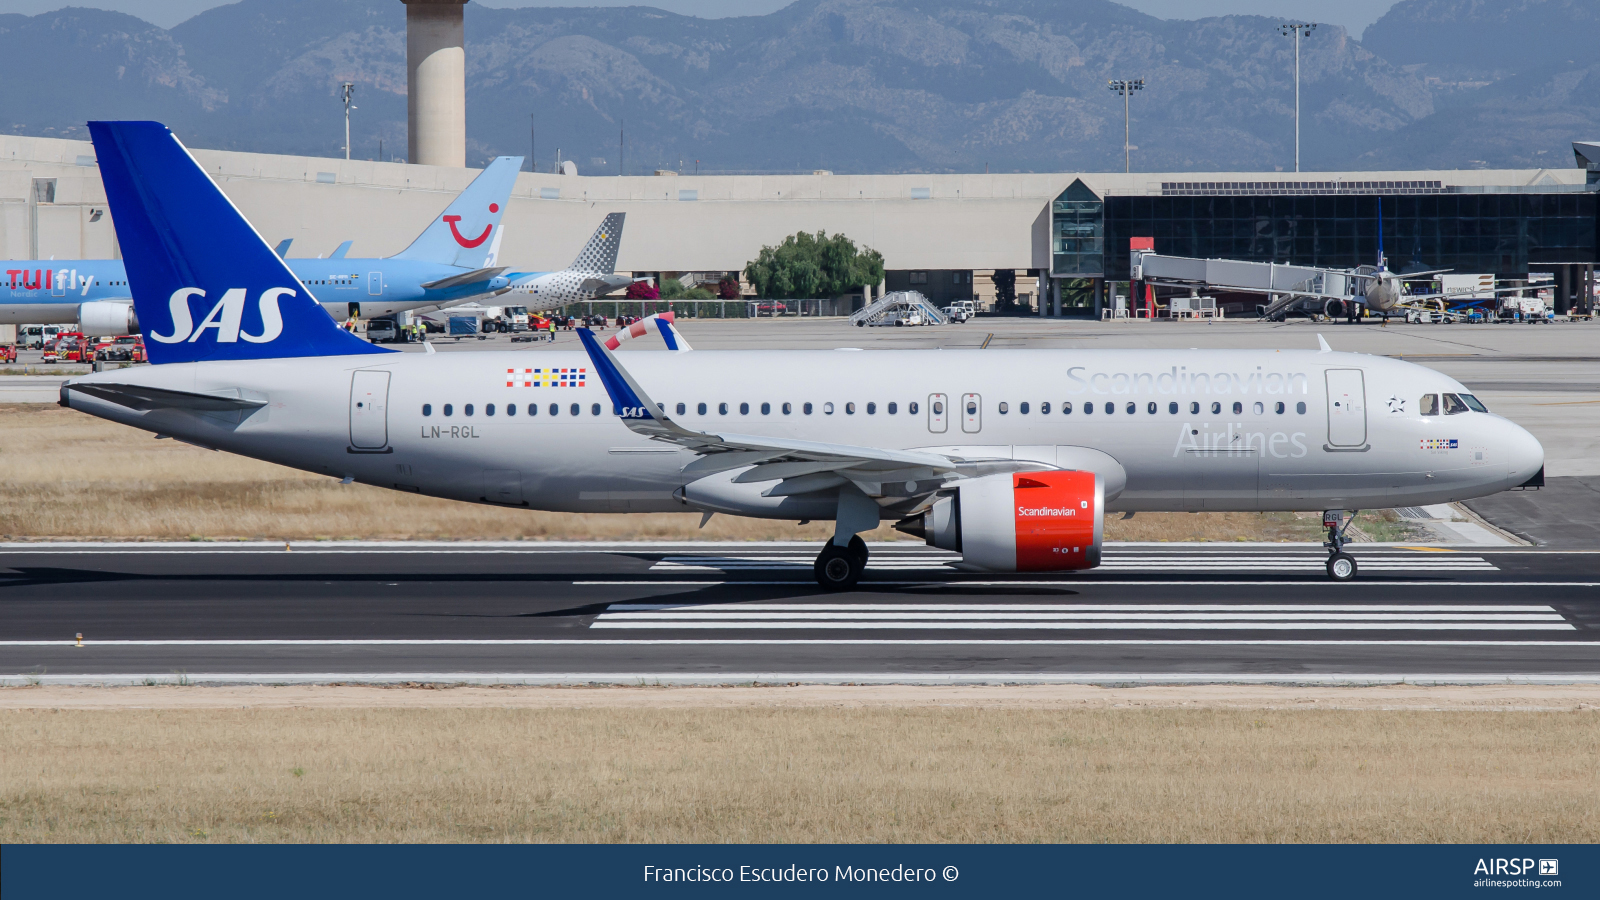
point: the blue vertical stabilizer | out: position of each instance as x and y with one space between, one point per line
205 284
464 234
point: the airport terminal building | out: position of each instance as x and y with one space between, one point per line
1066 236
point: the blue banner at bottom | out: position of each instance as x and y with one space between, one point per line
1234 871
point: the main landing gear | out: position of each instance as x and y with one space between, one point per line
839 568
1341 565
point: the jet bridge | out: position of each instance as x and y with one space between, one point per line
1284 284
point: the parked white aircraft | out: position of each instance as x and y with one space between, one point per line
1011 458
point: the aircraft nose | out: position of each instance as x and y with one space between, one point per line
1524 454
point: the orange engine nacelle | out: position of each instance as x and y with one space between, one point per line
1021 522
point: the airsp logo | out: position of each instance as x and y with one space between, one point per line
225 316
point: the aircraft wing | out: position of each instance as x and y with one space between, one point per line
798 466
143 398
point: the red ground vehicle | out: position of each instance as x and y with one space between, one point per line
122 348
8 353
70 347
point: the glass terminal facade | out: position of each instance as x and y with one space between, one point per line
1077 233
1500 233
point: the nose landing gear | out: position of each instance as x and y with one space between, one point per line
1341 565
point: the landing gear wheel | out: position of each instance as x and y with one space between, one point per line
1342 567
858 549
838 568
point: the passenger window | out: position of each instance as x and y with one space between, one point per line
1194 409
1260 408
722 409
1453 405
467 409
1088 408
850 409
1428 405
1044 408
1278 407
681 409
827 409
766 409
1004 407
555 409
489 410
1216 409
806 409
1132 408
700 408
872 409
574 409
594 409
1474 403
511 409
911 408
1300 407
533 409
449 410
1151 408
1022 408
788 408
744 409
427 409
1238 408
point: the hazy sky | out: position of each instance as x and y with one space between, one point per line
1354 15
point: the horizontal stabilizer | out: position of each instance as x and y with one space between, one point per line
142 398
465 278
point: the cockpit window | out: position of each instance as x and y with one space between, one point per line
1474 403
1428 405
1453 405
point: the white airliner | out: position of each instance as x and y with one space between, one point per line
1011 458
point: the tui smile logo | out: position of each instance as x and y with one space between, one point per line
469 243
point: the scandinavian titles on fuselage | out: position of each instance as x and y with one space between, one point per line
1179 380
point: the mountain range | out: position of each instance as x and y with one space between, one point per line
845 85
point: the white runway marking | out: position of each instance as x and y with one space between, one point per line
1113 562
1066 616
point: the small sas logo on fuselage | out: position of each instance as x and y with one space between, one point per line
1440 443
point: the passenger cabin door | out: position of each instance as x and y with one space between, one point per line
1347 408
971 413
375 283
369 410
938 413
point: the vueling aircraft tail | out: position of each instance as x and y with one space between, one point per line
466 234
205 285
599 256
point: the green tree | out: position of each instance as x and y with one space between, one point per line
1005 289
807 266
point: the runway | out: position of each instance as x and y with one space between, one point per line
732 613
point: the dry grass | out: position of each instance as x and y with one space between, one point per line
798 775
69 475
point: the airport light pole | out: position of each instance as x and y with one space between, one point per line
349 91
1297 30
1126 89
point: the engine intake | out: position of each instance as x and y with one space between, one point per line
1022 522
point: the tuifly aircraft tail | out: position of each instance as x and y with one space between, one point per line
466 234
205 285
599 256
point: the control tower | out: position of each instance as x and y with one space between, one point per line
436 83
